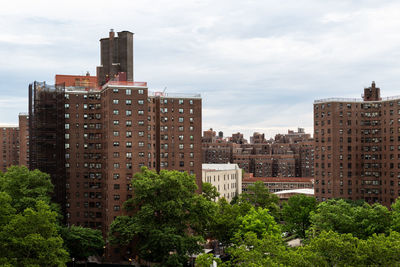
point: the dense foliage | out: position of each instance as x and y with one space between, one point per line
167 218
30 231
333 233
28 225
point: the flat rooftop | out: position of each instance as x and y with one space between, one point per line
220 167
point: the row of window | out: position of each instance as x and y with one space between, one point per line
128 101
181 111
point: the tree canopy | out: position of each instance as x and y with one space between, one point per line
259 196
296 214
28 225
344 217
166 217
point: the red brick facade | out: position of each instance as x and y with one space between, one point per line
357 148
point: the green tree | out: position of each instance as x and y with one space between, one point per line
210 192
206 260
28 220
168 219
380 250
332 249
82 242
250 250
226 221
344 217
31 238
395 216
259 196
260 222
296 214
371 220
258 240
26 187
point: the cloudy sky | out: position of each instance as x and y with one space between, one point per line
258 65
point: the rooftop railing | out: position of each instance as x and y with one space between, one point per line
337 99
174 95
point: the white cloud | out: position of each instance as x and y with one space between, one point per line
258 64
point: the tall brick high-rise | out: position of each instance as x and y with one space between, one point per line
357 147
106 134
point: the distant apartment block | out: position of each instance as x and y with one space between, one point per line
288 155
357 147
227 179
9 152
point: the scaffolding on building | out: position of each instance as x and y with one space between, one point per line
46 135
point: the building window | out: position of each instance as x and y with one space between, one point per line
140 91
180 101
116 207
181 110
116 133
128 112
116 122
115 90
128 134
128 123
180 119
116 166
128 144
140 102
140 112
115 101
128 102
116 176
180 146
141 144
128 155
116 112
141 133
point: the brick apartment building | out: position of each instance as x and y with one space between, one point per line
357 147
23 121
15 141
103 131
288 155
9 152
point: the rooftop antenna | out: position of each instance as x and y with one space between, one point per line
165 89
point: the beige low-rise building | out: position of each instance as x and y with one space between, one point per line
227 178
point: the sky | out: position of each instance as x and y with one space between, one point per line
259 65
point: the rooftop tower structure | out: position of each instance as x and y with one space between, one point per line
116 57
